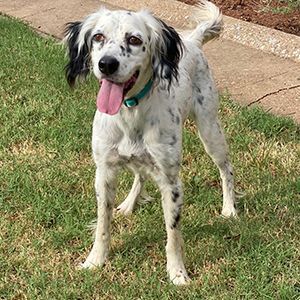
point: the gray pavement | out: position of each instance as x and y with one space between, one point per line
250 75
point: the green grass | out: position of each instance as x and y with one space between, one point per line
47 198
281 7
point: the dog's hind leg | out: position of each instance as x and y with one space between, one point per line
215 145
136 195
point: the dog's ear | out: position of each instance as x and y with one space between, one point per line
167 53
78 52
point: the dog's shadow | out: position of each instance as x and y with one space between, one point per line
146 237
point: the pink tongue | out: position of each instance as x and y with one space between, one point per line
110 97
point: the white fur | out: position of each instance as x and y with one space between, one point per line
147 138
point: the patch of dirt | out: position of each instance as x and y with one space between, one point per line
275 14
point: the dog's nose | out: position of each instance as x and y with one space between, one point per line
108 65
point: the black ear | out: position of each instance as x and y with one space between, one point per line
169 51
79 59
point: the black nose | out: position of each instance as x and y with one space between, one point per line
108 65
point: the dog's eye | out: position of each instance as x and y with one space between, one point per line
135 41
99 37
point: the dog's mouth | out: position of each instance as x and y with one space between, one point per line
111 94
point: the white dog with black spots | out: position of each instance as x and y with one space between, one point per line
151 79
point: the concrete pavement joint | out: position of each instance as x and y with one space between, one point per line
273 93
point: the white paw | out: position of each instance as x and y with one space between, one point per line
229 212
94 260
126 207
179 277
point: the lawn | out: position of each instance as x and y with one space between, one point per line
47 198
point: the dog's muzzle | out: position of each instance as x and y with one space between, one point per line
108 65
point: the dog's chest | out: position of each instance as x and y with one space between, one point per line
132 152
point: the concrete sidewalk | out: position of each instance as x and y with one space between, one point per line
250 75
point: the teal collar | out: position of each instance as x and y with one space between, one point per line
134 101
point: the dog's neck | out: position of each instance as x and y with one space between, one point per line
134 101
142 81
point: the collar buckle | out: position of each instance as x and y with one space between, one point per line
131 102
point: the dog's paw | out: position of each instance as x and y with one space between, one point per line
89 264
93 261
126 207
179 277
229 212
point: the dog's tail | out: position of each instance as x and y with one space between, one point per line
209 22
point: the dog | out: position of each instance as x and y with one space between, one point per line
151 79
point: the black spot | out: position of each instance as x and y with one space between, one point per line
174 140
200 99
175 195
128 54
173 117
138 135
144 49
154 121
231 173
129 13
176 220
161 133
128 49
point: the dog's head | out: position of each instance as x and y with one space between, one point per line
124 50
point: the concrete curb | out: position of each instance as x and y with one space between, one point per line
252 35
263 38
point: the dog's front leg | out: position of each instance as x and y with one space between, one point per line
105 185
172 201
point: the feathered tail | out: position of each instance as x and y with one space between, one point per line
209 22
